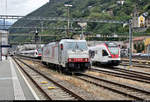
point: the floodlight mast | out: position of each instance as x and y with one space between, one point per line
68 5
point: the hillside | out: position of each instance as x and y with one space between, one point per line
99 9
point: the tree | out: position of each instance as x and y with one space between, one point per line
135 46
140 47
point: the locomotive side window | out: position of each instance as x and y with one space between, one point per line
104 53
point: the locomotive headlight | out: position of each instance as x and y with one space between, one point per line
86 59
69 60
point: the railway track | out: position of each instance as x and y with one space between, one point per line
138 73
137 65
123 73
126 90
29 58
118 72
137 62
55 92
129 91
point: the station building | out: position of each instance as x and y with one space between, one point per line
139 42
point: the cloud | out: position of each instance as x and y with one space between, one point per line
20 7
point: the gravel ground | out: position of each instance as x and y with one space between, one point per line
122 80
56 76
38 92
94 91
142 69
56 93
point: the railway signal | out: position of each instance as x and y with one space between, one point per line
36 36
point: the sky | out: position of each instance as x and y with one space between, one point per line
20 7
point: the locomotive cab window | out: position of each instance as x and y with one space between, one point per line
104 53
77 45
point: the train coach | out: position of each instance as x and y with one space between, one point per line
68 54
37 53
107 53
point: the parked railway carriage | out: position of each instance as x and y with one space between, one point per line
107 53
37 53
69 54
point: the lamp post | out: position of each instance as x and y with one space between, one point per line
67 5
130 43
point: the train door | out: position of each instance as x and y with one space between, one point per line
60 49
96 55
100 58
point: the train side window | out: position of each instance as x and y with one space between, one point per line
104 53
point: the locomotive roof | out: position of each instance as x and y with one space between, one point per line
110 44
66 40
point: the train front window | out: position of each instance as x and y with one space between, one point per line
82 45
71 45
39 50
104 53
77 45
113 50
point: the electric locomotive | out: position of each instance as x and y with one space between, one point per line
68 54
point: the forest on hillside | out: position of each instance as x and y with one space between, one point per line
88 9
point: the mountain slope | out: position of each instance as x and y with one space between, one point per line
99 9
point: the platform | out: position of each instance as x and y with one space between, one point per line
13 85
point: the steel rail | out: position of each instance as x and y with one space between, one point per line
48 78
122 75
35 83
114 83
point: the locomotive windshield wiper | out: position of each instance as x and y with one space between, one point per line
78 47
73 49
81 49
